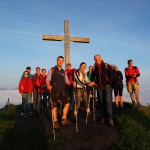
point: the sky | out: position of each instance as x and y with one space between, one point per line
118 30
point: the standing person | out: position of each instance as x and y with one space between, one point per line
132 73
56 80
35 88
25 88
43 92
82 82
69 88
112 67
102 78
89 73
118 86
28 69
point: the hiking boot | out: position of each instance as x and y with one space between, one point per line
22 114
56 126
65 122
89 117
25 115
121 106
133 104
29 114
111 123
138 104
102 121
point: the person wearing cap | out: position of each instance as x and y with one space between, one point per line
118 86
132 73
102 77
28 69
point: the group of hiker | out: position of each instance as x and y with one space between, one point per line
71 85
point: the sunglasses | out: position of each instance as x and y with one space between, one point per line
25 74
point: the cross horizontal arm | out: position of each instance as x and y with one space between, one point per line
80 39
52 37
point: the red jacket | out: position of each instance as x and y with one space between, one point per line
41 84
129 74
25 85
70 77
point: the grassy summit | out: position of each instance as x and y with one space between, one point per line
134 126
28 133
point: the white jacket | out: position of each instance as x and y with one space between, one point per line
81 79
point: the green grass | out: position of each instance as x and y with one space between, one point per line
13 135
6 119
134 126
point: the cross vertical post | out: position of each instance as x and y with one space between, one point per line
66 43
66 38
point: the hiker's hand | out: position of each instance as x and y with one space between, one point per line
95 84
90 84
134 75
74 84
75 112
68 83
88 110
49 87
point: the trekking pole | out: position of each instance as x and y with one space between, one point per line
88 108
93 91
52 119
76 110
41 103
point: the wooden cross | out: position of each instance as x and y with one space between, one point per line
67 39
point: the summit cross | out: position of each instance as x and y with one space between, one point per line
66 38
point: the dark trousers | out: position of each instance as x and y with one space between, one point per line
105 97
35 97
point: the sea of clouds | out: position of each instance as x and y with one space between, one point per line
15 97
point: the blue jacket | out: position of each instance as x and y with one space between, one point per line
30 76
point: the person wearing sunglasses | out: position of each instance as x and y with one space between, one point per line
25 88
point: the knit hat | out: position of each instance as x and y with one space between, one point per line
28 68
115 67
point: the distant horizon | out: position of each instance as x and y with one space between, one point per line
4 88
15 97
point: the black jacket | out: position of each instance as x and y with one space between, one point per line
102 74
58 79
118 78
